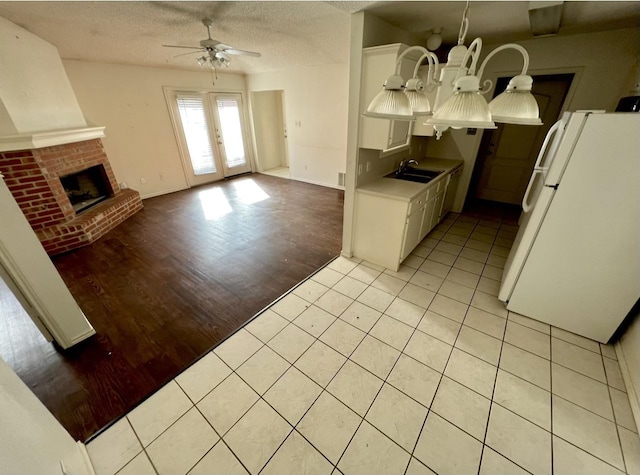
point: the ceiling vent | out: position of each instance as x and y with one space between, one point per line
545 17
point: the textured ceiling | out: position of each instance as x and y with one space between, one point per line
288 34
502 21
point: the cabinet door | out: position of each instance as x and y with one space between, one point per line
378 63
412 233
437 208
428 218
450 194
399 133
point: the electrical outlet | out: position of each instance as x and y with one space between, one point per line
368 166
143 180
298 123
359 169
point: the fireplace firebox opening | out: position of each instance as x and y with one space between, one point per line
87 188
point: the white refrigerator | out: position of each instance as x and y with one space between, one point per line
575 262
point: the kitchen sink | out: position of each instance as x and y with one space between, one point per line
415 174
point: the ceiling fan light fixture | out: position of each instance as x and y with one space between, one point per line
222 55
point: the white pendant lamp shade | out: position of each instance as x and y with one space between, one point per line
418 100
391 102
516 105
465 108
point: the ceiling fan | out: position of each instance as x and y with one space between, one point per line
216 54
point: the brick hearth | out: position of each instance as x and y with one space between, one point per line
33 177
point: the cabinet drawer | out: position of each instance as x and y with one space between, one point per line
417 203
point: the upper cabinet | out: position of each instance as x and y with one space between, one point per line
378 63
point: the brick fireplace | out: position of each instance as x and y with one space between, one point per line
45 180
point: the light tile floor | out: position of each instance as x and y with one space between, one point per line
365 370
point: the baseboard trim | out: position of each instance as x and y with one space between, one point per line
162 192
81 337
628 382
85 456
311 182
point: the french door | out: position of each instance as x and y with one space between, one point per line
212 132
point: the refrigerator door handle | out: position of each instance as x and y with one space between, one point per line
537 169
543 150
525 200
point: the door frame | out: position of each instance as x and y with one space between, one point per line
284 142
494 77
217 124
170 94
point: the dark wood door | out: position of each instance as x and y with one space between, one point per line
507 154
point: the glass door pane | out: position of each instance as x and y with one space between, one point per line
230 130
195 127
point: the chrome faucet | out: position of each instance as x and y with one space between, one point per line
402 166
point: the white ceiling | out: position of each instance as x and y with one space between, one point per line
288 34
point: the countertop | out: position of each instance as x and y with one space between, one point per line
407 190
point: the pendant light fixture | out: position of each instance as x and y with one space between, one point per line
459 102
404 101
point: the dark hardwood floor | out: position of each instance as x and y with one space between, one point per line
169 284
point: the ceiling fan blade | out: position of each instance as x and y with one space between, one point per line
222 47
190 52
187 47
242 52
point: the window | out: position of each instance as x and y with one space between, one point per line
196 132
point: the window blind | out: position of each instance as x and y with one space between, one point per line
196 132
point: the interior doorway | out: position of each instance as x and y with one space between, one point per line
270 128
507 154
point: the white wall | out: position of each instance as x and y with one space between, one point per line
602 61
628 351
35 94
266 109
33 442
129 100
316 98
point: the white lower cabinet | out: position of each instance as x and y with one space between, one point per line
412 231
429 216
437 207
387 229
452 187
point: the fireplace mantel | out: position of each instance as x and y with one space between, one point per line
48 138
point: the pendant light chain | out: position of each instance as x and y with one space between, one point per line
464 25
